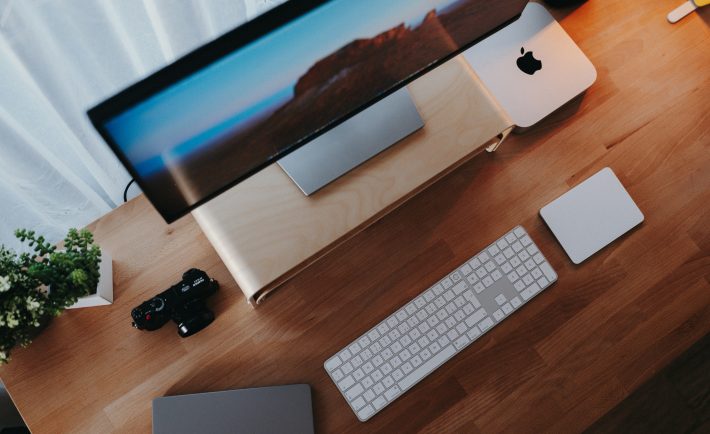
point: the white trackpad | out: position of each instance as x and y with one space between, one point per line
592 215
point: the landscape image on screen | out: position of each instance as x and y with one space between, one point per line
191 139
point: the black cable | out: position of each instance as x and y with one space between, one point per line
125 192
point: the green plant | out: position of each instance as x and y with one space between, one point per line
42 283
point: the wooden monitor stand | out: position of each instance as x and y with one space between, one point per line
266 231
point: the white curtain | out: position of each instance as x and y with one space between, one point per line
57 59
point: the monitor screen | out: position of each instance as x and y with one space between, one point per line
241 102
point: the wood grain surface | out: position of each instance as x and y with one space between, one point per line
557 365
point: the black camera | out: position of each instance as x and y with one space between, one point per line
184 303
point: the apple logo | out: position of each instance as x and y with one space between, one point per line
528 63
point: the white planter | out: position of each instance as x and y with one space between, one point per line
104 290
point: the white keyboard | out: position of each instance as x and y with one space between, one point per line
410 344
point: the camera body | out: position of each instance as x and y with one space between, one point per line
184 303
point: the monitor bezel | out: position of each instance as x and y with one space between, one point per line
213 51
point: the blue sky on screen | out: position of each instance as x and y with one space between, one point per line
252 81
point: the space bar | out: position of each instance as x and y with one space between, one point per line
426 368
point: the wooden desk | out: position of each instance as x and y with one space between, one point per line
557 365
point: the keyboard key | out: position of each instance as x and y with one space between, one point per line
468 295
507 308
500 259
532 249
472 279
538 258
466 269
529 264
461 342
516 302
481 273
391 393
498 315
420 302
373 335
333 363
369 395
493 250
379 402
348 368
483 257
479 287
527 294
519 285
485 324
519 232
515 262
548 272
500 299
447 283
345 354
490 266
508 253
513 276
473 333
443 340
359 403
426 368
488 281
502 244
523 256
517 246
542 282
506 268
346 383
367 383
521 270
366 412
438 289
510 238
459 287
377 376
402 315
475 318
536 273
474 263
455 276
496 275
525 240
397 375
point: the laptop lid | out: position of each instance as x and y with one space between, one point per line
273 410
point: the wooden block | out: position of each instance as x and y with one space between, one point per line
265 230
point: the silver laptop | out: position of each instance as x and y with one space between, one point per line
531 67
273 410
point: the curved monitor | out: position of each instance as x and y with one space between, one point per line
239 103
